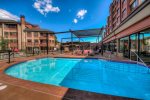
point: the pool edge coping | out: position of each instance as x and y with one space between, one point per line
2 71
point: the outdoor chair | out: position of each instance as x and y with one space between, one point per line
78 52
96 52
88 52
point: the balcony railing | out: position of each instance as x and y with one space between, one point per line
36 44
36 36
6 36
42 37
10 28
29 43
43 44
13 44
32 44
13 36
29 36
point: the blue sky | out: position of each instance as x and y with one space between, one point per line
60 15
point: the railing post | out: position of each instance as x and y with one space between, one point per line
130 55
8 56
137 59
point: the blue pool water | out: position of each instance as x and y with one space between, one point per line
94 75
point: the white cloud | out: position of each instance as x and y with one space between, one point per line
7 15
75 21
81 14
45 6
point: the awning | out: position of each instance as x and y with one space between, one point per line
88 33
85 33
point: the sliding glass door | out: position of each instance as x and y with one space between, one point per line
134 45
124 46
144 43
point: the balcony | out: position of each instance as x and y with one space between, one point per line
29 36
29 44
36 37
13 44
42 37
13 36
6 36
10 29
43 44
51 38
51 44
36 44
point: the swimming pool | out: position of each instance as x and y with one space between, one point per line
94 75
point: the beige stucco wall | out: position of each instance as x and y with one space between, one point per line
22 35
19 36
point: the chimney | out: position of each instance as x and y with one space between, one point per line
22 19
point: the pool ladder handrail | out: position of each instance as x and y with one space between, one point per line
138 58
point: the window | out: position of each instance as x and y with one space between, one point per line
117 1
43 41
10 26
13 33
6 34
15 40
115 24
134 42
11 41
51 35
142 1
36 41
144 41
117 19
43 34
124 46
118 11
134 5
36 34
123 2
52 41
29 41
124 13
29 34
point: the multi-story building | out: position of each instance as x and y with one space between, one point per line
25 36
9 30
128 28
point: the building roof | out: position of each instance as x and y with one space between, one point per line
31 24
38 30
8 21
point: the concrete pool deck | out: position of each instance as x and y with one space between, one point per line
18 89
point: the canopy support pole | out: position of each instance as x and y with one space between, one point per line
71 40
61 46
